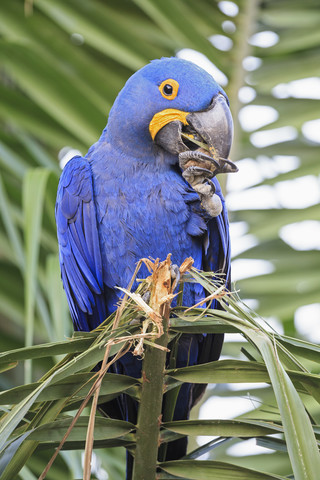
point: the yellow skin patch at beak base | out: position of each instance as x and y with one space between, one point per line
164 117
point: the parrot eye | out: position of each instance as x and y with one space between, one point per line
169 89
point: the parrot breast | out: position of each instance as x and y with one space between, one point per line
143 212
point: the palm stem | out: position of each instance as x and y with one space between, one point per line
149 418
153 369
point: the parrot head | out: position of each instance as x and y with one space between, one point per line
176 105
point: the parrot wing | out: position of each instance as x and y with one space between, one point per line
79 247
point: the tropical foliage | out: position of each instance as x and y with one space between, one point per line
42 412
63 63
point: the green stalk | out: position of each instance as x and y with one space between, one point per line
149 416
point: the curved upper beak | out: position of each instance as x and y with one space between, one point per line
211 130
215 126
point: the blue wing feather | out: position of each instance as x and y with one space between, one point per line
80 255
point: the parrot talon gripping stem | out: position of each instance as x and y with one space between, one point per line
209 182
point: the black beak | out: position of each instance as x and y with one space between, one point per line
210 131
215 126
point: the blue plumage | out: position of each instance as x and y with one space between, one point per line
127 199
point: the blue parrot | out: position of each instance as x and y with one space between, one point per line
148 188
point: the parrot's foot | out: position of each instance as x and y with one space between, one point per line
175 275
212 205
200 179
199 158
197 176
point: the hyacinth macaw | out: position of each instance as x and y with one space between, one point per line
146 189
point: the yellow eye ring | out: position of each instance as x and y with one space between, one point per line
169 89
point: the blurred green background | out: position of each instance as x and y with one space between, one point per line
62 65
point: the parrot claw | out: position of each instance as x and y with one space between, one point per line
227 166
209 183
200 178
205 188
197 156
192 173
